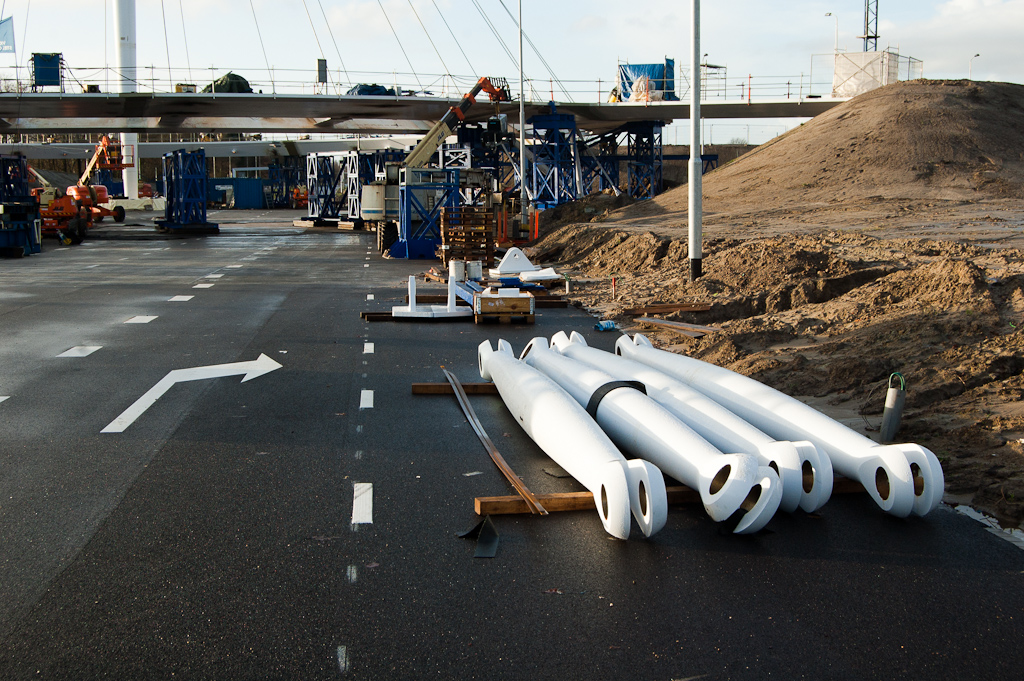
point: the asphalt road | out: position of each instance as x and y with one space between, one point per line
219 536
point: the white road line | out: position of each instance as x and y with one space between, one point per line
233 267
89 267
359 429
213 276
366 399
367 257
369 296
80 351
353 574
367 348
342 659
362 503
4 398
366 264
203 286
140 319
180 299
357 455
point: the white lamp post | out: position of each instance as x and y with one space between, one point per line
970 66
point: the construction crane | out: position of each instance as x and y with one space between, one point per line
421 154
870 25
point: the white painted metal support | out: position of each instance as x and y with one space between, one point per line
694 180
901 478
124 18
639 425
564 431
805 471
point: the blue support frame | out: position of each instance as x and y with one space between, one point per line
185 191
323 175
554 159
644 159
20 222
419 227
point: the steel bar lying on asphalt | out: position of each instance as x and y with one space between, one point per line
528 497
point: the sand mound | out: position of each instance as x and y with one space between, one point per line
918 140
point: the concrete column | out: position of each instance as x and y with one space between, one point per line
124 19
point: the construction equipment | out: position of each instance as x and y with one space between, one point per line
61 214
405 199
109 156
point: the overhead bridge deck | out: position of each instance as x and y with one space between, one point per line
252 113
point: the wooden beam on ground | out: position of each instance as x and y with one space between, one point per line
446 389
668 307
692 330
584 501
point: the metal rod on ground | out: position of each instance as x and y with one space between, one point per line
694 181
528 496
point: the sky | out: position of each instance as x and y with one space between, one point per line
581 42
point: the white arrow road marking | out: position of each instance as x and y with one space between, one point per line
180 299
366 399
80 351
362 503
4 397
140 319
253 369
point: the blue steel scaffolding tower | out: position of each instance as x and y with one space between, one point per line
555 168
185 191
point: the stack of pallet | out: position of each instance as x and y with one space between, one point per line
467 233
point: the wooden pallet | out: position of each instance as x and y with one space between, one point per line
467 233
509 318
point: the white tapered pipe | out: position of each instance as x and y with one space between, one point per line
902 478
805 472
639 425
564 431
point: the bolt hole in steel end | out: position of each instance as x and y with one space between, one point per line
718 482
808 476
882 483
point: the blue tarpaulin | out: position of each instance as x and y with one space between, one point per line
661 76
7 35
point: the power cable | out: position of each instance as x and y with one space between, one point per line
400 46
25 31
537 52
167 43
340 60
185 37
501 42
456 40
415 13
260 35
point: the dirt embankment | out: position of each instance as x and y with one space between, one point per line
819 292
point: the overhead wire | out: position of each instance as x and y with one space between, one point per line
184 36
537 52
400 46
416 14
167 42
340 60
515 62
456 40
260 35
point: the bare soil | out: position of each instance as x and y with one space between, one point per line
884 235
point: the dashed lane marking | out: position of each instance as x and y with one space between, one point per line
367 348
366 399
203 286
342 659
369 296
366 264
234 267
80 351
362 503
180 299
140 319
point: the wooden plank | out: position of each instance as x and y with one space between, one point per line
565 501
584 501
668 307
503 318
677 325
446 389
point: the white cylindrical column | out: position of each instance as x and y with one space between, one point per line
124 19
694 180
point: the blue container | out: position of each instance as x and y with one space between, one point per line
46 69
249 193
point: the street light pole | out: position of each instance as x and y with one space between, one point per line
523 201
970 67
836 17
695 235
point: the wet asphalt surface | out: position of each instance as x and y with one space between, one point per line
213 538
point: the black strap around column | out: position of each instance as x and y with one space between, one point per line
599 394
